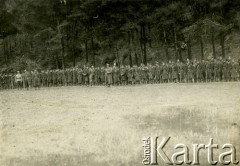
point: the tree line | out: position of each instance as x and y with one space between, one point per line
67 33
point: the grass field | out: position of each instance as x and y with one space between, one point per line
100 126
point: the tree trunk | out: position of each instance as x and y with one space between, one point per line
4 51
166 45
93 52
213 43
175 42
62 46
130 45
86 51
189 49
180 54
201 45
136 58
56 58
62 53
117 56
149 32
141 42
223 45
144 45
73 56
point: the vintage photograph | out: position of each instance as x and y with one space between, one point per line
119 82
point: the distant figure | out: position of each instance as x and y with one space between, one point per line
18 80
27 78
108 72
36 80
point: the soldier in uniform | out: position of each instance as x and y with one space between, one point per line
27 79
36 80
228 63
195 64
64 77
238 69
129 75
91 75
108 72
207 71
136 74
225 71
211 70
199 76
1 81
165 73
220 68
59 77
85 74
79 76
11 79
123 78
44 78
18 80
74 73
215 70
23 80
190 76
169 71
179 74
234 71
69 77
102 76
157 73
144 74
116 74
8 81
54 77
203 70
97 76
48 76
174 70
149 70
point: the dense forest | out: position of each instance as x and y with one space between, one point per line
53 34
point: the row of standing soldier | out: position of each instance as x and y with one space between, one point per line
213 70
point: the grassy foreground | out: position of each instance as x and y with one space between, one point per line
103 126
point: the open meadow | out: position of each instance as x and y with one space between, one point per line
101 126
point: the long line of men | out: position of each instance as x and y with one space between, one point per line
213 70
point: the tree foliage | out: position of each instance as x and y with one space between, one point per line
65 33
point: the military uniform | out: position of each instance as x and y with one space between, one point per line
102 76
225 72
174 72
27 79
190 75
74 73
85 74
234 71
59 78
116 75
165 75
123 78
79 76
18 79
150 76
136 75
36 79
91 76
108 72
130 75
54 78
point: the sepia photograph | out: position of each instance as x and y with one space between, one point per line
119 82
